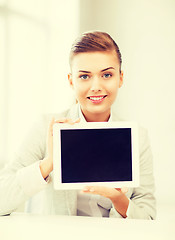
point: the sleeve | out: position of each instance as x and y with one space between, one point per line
22 178
142 203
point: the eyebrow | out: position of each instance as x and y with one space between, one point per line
84 71
101 70
107 69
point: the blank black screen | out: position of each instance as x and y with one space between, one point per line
96 155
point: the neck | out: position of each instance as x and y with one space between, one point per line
98 117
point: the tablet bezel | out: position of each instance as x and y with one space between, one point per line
57 127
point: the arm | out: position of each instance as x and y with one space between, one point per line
142 202
46 166
22 178
26 176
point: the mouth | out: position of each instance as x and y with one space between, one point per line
97 99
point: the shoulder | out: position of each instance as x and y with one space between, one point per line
142 131
144 142
143 137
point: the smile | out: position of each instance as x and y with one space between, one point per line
97 99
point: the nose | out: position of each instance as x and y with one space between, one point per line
96 85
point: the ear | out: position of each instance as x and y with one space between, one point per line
70 80
121 79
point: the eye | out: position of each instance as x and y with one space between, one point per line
84 77
107 75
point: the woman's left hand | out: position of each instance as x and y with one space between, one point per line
105 191
116 195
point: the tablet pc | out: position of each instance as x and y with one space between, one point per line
100 153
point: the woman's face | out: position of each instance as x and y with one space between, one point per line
96 78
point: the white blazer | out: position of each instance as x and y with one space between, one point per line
21 181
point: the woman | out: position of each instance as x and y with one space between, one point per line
95 77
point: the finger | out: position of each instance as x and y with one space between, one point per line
70 121
67 120
52 121
88 189
122 190
51 126
100 190
60 120
77 120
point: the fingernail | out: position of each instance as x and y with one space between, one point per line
85 189
91 190
124 189
77 120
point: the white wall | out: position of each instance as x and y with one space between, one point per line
145 33
36 36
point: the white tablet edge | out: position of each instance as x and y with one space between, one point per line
90 125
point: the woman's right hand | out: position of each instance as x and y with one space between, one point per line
46 165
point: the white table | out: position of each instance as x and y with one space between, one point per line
30 227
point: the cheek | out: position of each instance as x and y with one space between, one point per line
79 90
114 93
113 87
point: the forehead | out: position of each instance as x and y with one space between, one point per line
94 61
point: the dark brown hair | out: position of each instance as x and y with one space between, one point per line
94 42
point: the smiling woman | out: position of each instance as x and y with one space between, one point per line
95 78
96 85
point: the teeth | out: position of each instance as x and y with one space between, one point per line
96 98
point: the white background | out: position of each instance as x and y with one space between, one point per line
35 41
